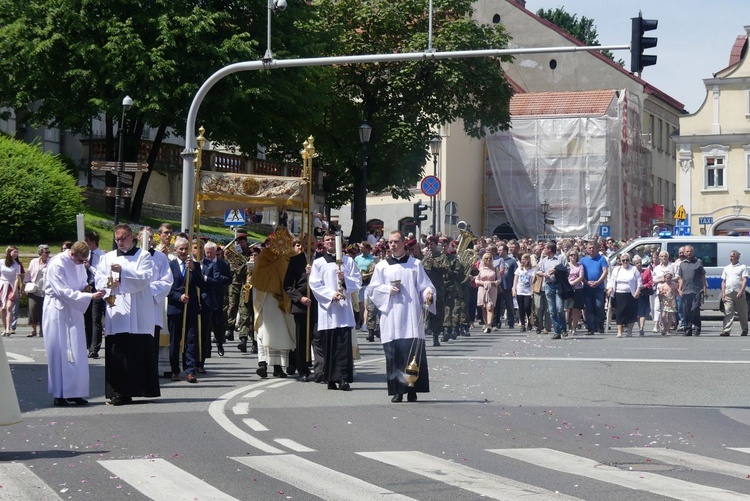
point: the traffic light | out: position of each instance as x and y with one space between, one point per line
638 43
419 208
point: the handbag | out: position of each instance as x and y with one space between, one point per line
30 288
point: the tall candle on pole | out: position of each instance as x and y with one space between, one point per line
339 260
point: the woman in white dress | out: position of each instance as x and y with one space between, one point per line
10 271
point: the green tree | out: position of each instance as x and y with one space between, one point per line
403 102
583 29
38 195
75 59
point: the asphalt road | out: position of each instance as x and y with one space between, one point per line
509 416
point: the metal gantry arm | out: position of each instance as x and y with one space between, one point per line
188 153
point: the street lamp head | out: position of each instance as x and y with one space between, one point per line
127 102
545 207
435 143
279 5
364 133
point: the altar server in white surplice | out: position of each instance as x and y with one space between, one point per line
64 327
335 312
401 290
130 359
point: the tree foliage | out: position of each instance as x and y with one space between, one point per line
582 29
39 197
405 102
75 59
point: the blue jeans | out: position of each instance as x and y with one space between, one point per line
556 309
594 304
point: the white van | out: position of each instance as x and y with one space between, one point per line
713 251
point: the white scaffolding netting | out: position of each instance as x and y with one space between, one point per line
581 166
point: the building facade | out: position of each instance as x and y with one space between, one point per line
713 180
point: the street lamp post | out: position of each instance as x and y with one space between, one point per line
364 137
545 210
127 103
435 144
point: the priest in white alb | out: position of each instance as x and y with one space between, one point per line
402 291
66 300
333 286
130 359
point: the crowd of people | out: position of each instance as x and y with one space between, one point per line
160 295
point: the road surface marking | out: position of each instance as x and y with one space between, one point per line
20 483
638 480
160 480
693 461
467 358
217 411
740 449
241 408
282 383
460 476
317 480
254 424
291 444
253 393
15 358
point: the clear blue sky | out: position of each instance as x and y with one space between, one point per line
695 37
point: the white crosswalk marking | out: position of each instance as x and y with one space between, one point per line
740 449
317 480
463 477
162 481
689 460
639 480
19 483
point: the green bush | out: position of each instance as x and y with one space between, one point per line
38 196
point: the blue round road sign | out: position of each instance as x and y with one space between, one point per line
430 186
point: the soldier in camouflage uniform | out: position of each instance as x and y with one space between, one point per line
236 303
454 318
437 266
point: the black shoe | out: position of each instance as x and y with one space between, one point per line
305 378
291 371
91 354
370 335
697 332
446 337
254 349
242 347
119 400
556 336
220 350
60 402
436 340
78 401
262 370
343 385
278 371
398 397
332 386
411 396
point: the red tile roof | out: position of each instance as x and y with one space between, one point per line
588 103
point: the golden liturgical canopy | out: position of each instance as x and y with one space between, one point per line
222 191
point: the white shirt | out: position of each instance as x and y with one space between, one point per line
733 275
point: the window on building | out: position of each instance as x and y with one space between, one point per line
747 168
651 129
660 144
714 170
658 191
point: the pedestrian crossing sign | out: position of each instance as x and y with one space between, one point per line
680 214
234 217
